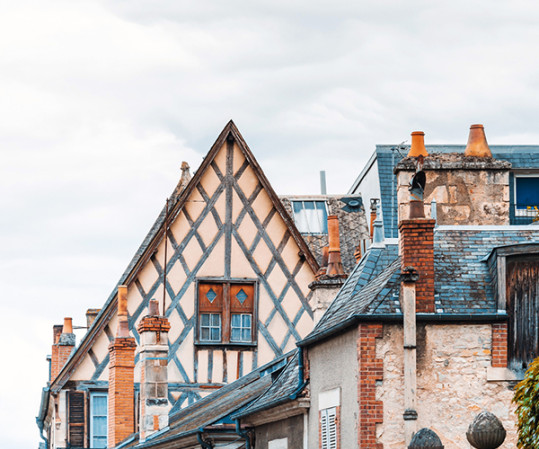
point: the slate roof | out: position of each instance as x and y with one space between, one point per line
520 156
462 284
371 289
280 391
217 406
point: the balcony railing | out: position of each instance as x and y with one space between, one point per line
523 214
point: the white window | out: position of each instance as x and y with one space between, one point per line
210 327
98 420
310 216
328 428
240 327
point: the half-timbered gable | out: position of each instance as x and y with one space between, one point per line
237 279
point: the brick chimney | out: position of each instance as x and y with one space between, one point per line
121 419
416 245
330 279
154 406
63 344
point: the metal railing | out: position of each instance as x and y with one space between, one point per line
523 214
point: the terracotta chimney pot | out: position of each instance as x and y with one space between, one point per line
417 148
335 267
123 324
477 143
68 326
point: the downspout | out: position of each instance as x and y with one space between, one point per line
203 444
409 278
243 434
301 382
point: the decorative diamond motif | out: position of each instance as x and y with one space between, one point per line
211 295
241 296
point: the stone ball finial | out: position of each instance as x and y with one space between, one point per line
426 439
486 431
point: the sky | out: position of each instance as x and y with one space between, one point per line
101 101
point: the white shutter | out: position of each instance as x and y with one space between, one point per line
328 428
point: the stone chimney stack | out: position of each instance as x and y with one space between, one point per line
154 406
121 419
63 344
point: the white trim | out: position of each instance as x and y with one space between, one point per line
495 374
328 399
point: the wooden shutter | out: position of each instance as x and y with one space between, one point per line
210 297
328 428
523 310
241 298
76 418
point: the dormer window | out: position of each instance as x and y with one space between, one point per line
310 216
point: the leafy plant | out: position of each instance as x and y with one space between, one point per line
527 399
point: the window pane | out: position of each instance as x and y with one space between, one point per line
246 321
100 425
246 335
205 333
100 405
205 319
215 334
99 442
215 319
236 334
236 320
310 216
527 192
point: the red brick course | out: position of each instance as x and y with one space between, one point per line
121 420
417 250
371 411
60 355
499 345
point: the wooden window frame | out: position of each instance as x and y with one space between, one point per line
226 313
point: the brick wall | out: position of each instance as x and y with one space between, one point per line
417 250
121 420
59 357
370 370
499 345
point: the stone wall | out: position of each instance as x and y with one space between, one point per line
468 191
452 387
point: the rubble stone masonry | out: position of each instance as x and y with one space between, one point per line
452 386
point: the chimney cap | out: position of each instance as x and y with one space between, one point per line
417 148
477 145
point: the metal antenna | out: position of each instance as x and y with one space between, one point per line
165 263
400 147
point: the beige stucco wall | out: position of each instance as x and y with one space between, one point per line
333 364
452 385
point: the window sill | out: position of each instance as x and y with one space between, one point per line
501 375
211 344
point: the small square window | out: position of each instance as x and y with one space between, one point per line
310 216
240 327
225 312
210 327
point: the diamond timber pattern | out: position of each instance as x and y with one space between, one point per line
225 225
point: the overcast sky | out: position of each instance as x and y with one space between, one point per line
101 101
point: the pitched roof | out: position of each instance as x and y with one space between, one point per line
462 279
217 406
155 236
280 391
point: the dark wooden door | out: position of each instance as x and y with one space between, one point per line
523 310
